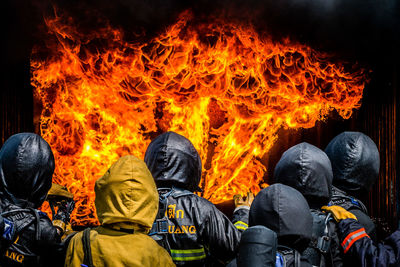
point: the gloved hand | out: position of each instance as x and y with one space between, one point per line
64 211
339 213
243 203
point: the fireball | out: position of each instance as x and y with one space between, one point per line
222 85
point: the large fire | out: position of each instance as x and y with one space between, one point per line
222 85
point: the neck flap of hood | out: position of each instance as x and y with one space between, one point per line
355 161
307 169
26 170
173 160
285 211
127 196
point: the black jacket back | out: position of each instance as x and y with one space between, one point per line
355 164
26 169
308 169
198 233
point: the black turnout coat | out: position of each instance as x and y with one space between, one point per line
355 165
26 169
198 233
360 250
308 169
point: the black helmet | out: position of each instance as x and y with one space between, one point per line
26 170
173 160
285 211
307 169
355 161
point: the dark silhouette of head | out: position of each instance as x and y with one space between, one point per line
173 161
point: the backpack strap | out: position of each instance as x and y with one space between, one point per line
160 225
159 230
297 262
87 258
324 241
38 230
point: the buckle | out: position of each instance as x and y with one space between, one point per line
162 226
324 243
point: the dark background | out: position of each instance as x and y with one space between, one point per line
360 31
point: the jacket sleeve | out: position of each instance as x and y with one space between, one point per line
50 244
366 222
356 242
219 235
240 218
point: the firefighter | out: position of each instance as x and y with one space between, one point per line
126 205
308 169
26 170
194 231
284 210
359 247
355 165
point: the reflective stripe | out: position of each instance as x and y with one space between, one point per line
241 225
188 254
353 237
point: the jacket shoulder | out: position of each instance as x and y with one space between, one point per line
205 204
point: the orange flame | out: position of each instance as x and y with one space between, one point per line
220 84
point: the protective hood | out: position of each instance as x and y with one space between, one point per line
257 247
126 196
307 169
285 211
173 160
26 170
355 161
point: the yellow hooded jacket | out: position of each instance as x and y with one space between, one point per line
126 198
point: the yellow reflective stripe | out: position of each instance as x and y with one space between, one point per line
195 258
188 254
187 251
241 225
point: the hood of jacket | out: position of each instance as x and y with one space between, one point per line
355 161
173 160
307 169
26 170
258 246
126 196
285 211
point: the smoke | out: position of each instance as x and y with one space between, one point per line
365 30
355 28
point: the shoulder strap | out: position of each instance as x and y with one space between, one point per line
324 241
159 230
87 258
297 262
38 230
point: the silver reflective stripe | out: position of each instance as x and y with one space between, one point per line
352 237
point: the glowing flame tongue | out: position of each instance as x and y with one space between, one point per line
219 84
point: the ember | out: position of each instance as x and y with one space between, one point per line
221 85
